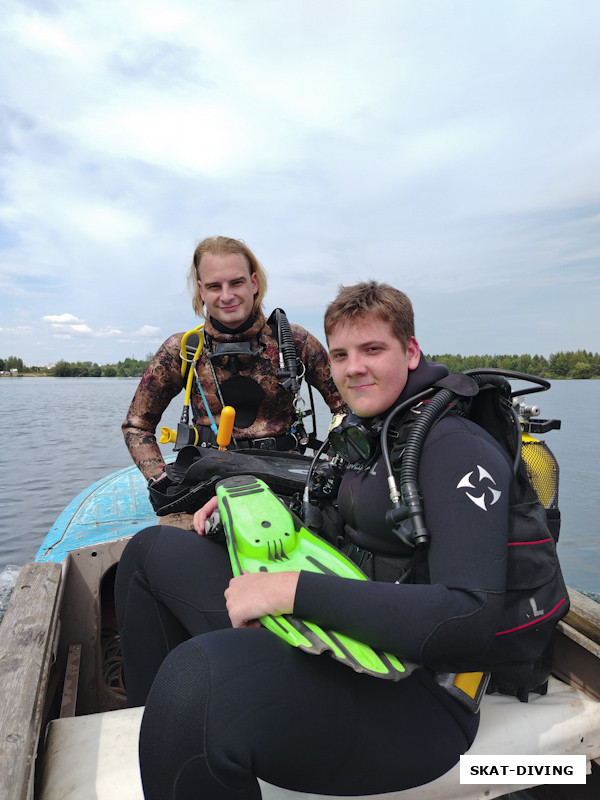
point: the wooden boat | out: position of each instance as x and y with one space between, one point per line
65 731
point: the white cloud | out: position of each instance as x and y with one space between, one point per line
147 330
110 332
67 324
448 148
61 319
18 331
46 38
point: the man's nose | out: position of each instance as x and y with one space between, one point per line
354 364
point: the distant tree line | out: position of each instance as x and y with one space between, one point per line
579 364
129 368
12 362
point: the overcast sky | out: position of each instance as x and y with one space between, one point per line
449 147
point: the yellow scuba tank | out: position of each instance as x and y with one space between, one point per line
540 461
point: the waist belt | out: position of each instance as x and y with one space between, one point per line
466 687
281 443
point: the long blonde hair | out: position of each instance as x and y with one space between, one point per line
223 246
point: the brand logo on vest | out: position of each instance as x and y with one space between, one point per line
483 484
536 611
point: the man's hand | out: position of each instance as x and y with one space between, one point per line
202 515
256 594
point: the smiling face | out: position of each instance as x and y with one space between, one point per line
369 364
227 288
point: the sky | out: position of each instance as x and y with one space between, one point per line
448 147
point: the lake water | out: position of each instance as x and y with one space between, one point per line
61 434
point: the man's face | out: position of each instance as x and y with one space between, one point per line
370 365
227 288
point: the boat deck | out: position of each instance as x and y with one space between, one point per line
94 750
96 756
51 671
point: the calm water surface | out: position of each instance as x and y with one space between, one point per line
61 434
58 436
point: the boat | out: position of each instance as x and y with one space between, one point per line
66 732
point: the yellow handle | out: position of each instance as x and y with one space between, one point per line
225 427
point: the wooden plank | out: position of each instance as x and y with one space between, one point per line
584 615
69 695
577 659
27 636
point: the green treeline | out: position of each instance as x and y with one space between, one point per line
580 364
129 368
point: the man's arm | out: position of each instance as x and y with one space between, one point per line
160 383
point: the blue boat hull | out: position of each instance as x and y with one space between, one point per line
112 508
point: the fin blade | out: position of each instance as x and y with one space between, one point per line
262 534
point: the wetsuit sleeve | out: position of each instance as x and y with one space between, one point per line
161 382
450 621
316 361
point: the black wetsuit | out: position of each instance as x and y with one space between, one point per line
229 705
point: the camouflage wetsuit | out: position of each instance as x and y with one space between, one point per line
263 408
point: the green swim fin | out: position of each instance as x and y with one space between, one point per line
263 535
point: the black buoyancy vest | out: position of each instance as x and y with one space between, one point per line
536 596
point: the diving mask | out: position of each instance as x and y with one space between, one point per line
355 439
233 356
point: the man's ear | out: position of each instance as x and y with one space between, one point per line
413 351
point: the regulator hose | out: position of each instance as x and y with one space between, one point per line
408 504
288 358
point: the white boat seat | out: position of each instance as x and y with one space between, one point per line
95 757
